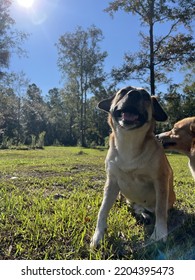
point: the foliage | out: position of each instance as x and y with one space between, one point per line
158 54
56 123
8 112
58 116
50 200
81 61
189 91
34 111
5 22
10 38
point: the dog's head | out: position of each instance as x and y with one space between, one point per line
131 108
181 137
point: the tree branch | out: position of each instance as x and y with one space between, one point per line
165 37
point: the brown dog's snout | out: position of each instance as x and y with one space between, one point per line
163 136
165 139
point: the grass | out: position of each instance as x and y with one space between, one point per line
49 200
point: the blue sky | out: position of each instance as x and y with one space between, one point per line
47 20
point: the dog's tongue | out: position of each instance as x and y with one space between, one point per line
129 117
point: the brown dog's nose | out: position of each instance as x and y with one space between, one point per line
158 137
161 136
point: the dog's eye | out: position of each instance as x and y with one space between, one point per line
173 130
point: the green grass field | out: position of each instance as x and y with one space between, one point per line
49 200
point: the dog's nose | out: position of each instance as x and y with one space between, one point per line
158 138
161 137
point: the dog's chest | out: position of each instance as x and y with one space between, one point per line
135 184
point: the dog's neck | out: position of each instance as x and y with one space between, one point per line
128 145
129 141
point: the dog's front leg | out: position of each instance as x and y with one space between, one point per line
111 191
160 230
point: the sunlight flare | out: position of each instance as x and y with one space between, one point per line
26 3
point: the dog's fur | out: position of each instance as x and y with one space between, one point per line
182 139
136 164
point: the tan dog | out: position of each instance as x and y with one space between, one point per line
182 139
136 164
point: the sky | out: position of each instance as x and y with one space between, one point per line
47 20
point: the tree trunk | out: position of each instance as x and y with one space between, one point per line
82 114
152 75
81 122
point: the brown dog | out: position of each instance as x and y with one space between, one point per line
136 164
182 139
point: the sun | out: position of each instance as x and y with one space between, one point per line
26 3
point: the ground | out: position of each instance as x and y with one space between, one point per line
49 200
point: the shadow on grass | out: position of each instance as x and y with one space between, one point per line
180 243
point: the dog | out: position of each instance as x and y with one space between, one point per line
136 164
181 138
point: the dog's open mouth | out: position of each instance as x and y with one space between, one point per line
168 144
130 118
166 141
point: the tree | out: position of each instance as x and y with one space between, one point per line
56 117
35 113
10 42
71 99
10 39
5 22
81 62
159 53
189 91
8 113
18 83
98 128
174 105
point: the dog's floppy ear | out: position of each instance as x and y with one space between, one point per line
105 104
158 112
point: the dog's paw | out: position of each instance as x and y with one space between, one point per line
159 235
95 241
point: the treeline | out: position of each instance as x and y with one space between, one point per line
37 120
55 119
